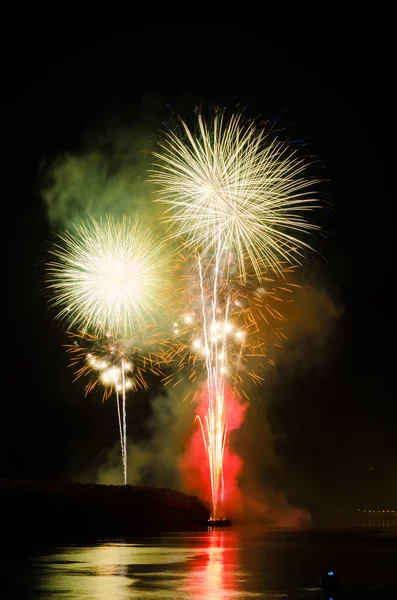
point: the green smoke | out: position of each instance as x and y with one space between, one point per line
107 175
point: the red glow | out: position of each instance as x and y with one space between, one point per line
213 572
194 463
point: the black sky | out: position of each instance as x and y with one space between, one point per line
339 420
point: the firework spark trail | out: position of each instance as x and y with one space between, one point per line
119 365
121 435
124 420
215 427
224 323
215 422
224 343
116 376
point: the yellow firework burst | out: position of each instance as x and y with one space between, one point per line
234 180
117 363
107 276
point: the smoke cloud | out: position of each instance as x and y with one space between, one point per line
108 174
312 338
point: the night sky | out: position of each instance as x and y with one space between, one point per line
334 422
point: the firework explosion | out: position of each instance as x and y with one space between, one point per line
240 198
233 179
106 278
244 319
119 365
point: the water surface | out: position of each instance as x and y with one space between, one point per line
239 563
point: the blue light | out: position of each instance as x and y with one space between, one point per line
330 572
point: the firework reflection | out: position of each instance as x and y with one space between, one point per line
215 572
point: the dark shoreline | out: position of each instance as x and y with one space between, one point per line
66 510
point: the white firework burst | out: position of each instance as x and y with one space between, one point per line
107 275
233 181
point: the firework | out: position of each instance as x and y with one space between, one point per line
241 320
119 365
107 276
107 281
103 355
233 179
224 333
241 199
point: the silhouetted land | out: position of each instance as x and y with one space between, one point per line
55 509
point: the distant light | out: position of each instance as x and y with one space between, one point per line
330 573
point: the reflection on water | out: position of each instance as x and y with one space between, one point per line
111 571
99 572
169 567
223 564
214 573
